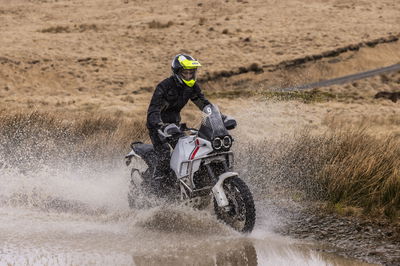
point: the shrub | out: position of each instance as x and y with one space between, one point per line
56 29
159 25
67 29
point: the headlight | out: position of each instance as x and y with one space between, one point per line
217 143
227 142
224 143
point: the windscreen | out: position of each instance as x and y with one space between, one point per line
212 125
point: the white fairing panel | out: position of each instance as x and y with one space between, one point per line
181 153
187 149
205 148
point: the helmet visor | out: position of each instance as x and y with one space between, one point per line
188 74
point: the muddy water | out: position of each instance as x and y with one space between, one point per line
81 217
31 237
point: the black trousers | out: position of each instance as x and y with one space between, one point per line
162 154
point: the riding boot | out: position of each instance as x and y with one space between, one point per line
162 167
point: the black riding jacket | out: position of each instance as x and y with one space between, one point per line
168 100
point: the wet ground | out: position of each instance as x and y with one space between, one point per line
362 238
38 237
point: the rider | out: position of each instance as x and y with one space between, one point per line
170 96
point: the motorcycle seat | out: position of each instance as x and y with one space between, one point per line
142 149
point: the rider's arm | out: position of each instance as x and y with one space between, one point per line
198 98
156 104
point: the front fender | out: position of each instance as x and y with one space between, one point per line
218 190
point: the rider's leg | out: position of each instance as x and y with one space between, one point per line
162 157
162 162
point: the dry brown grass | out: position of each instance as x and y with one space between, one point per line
363 171
348 166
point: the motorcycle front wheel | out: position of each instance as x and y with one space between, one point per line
240 214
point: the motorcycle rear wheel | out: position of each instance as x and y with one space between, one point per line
240 214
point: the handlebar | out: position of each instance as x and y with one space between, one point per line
183 127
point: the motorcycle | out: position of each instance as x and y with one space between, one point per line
201 170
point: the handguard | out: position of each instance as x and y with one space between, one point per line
169 131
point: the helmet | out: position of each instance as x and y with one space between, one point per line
180 64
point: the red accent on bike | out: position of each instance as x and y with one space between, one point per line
195 150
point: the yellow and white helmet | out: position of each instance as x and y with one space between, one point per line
184 68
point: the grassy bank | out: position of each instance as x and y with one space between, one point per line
349 167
